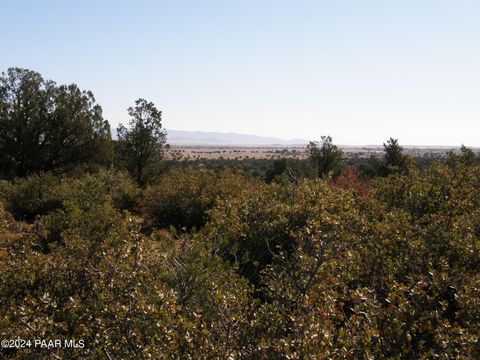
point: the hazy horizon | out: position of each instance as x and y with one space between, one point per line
291 141
360 72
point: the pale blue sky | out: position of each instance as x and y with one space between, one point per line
361 71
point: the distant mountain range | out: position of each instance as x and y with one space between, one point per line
180 137
218 138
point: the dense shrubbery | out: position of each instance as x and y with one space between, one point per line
106 185
182 198
318 269
5 217
320 260
255 227
28 197
42 193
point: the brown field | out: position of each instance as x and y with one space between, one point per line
192 152
205 152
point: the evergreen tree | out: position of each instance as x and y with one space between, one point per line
47 127
325 156
141 143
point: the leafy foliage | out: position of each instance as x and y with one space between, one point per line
140 145
394 160
46 127
283 270
325 156
28 197
182 199
205 262
42 193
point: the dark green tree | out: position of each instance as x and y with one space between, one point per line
395 161
325 156
47 127
466 157
141 144
278 168
372 167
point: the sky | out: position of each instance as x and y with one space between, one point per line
359 71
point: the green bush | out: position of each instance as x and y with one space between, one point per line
35 195
42 193
182 198
124 294
104 186
298 271
123 191
251 229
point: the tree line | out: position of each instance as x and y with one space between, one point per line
50 127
